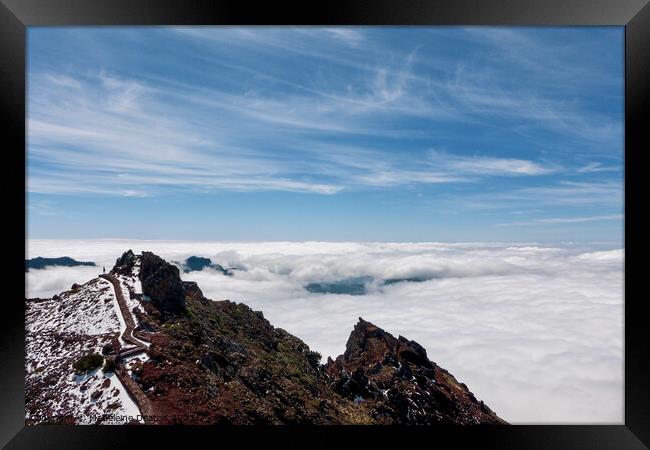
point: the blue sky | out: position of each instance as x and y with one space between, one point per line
311 133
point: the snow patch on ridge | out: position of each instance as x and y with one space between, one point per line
60 331
90 310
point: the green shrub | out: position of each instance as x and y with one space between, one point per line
88 363
110 365
313 358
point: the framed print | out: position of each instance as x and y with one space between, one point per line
358 224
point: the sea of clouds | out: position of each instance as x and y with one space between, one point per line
536 331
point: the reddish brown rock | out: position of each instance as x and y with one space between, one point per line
396 381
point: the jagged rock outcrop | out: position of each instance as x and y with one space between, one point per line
398 383
161 281
125 263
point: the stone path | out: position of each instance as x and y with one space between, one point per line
133 389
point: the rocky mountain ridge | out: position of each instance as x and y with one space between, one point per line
65 261
396 379
197 263
219 362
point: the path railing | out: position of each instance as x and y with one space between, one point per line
132 388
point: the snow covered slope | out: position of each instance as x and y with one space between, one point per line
61 330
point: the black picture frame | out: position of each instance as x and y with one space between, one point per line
634 15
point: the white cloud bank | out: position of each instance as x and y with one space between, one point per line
536 332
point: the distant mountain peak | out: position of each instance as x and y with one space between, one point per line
65 261
198 263
367 342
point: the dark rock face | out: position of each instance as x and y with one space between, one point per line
161 282
396 381
40 262
192 290
124 264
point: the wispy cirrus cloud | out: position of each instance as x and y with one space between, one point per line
595 167
562 196
450 116
604 193
116 136
488 165
563 220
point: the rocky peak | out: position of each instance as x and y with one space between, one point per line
161 282
367 344
396 381
125 263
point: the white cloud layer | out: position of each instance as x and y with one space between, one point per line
536 332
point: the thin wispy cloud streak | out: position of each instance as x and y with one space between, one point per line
450 120
563 220
106 112
597 167
123 143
